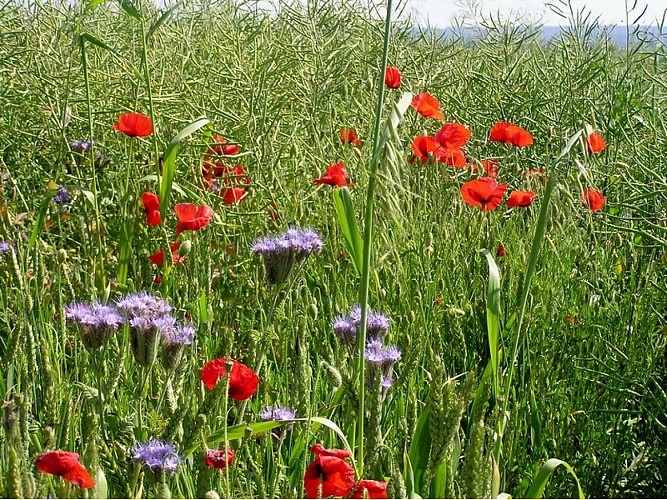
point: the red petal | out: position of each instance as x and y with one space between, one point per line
80 477
243 381
321 451
392 77
595 143
153 217
185 211
374 489
57 462
134 125
453 135
150 201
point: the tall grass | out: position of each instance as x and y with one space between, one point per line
588 383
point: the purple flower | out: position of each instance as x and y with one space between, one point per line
96 322
345 329
379 355
4 248
281 253
143 304
179 335
386 381
157 455
62 196
81 146
277 413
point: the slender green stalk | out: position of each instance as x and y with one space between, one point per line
91 151
368 236
151 113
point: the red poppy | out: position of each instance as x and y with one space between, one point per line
427 105
336 175
192 217
595 143
520 199
221 148
593 199
490 168
243 381
534 171
422 147
158 257
392 77
500 251
328 477
66 465
349 136
453 135
219 459
151 204
483 192
374 489
451 156
233 196
134 125
510 134
321 451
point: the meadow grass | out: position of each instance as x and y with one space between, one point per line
588 383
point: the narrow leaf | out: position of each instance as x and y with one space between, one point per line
39 221
542 477
493 315
169 166
348 225
420 449
161 20
130 9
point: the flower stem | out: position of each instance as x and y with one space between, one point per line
368 235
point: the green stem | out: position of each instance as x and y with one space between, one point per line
532 263
368 236
147 77
91 151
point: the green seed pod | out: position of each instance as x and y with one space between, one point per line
185 248
332 375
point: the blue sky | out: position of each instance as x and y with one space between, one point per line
440 13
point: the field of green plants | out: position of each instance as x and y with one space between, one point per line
240 258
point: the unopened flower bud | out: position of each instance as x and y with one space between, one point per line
185 248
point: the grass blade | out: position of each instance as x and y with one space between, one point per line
348 224
542 477
493 315
169 166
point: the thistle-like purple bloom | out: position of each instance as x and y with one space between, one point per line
62 196
143 304
4 248
277 413
281 253
386 382
379 355
81 146
179 335
345 329
96 322
157 455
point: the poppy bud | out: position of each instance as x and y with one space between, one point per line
332 375
212 495
383 293
185 248
356 152
61 255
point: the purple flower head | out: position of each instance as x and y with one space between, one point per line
62 196
143 304
157 455
378 355
345 329
179 335
81 146
96 322
377 324
277 413
282 252
386 382
4 248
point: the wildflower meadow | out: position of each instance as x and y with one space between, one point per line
318 251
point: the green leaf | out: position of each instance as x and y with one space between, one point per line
39 221
169 165
493 316
247 430
420 450
542 477
94 3
98 43
408 477
348 225
130 9
125 252
161 20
